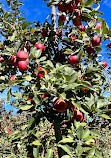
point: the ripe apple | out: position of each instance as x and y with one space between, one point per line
44 95
22 65
60 105
70 105
77 21
109 45
73 60
40 74
59 33
62 17
70 6
90 49
78 115
1 59
14 61
81 27
40 46
96 40
85 89
62 7
22 55
12 78
105 63
98 25
73 37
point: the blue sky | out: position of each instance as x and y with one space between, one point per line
36 10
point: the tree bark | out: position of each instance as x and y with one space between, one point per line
58 136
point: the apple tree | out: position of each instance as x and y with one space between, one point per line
59 79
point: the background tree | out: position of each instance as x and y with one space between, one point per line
58 77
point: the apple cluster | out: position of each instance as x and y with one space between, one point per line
61 105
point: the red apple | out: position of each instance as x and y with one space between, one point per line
22 55
1 59
62 17
85 89
44 96
70 105
60 105
105 63
40 46
39 68
73 37
14 61
40 74
62 7
81 27
22 65
59 33
96 40
90 49
78 115
70 6
73 60
12 78
109 45
98 25
77 21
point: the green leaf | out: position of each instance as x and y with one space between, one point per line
36 142
36 152
28 78
25 24
19 95
89 2
26 107
66 156
84 149
79 41
80 132
86 134
91 153
49 154
50 63
104 116
12 38
9 96
98 154
95 132
89 141
66 148
66 140
104 28
43 58
87 85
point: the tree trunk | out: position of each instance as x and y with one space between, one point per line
58 136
